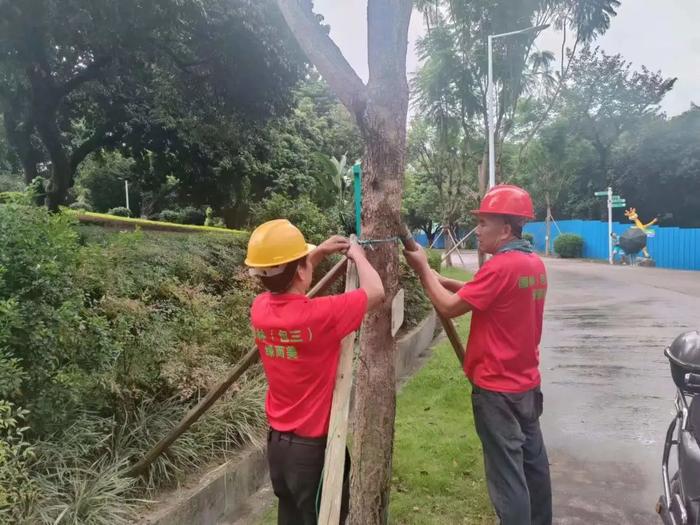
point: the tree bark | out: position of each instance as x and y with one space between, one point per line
380 109
384 131
44 110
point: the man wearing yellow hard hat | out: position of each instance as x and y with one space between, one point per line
299 343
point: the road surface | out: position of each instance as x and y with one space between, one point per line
607 386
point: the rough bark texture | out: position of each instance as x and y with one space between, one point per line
380 109
384 130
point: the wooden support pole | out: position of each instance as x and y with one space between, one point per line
411 245
456 246
442 230
334 465
220 389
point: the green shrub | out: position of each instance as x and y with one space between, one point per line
119 211
529 238
54 340
11 182
100 181
17 489
315 224
209 217
434 259
81 205
416 304
569 245
15 197
191 215
37 190
169 216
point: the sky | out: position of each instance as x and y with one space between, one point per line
660 34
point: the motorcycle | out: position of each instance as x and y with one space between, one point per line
680 502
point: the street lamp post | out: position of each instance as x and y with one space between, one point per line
491 99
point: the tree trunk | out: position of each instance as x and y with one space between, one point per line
380 109
61 171
44 108
384 132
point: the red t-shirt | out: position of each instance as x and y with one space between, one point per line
507 295
299 343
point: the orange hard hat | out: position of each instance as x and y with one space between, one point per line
506 199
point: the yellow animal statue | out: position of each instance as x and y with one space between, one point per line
632 215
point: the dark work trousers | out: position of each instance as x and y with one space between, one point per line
296 466
515 458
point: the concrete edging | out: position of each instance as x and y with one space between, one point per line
220 495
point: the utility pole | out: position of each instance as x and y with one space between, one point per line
126 192
492 99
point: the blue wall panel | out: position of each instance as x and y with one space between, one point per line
677 248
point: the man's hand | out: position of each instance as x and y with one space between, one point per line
417 260
335 244
356 252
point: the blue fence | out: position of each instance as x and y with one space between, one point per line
677 248
422 239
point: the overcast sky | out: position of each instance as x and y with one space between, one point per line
660 34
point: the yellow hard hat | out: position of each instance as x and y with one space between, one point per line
276 243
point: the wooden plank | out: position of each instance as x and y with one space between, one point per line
220 389
334 464
397 311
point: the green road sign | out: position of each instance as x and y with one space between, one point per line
619 201
601 194
618 205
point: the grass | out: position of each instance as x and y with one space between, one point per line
438 475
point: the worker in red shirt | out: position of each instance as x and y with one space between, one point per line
299 343
506 298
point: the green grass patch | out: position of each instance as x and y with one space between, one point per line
438 470
438 474
456 273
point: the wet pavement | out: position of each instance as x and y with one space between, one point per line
607 386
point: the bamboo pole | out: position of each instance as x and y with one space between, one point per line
447 254
220 389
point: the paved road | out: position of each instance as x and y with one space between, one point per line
607 386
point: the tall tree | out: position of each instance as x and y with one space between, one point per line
657 169
443 167
380 108
452 83
605 98
79 75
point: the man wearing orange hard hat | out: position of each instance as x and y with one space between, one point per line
506 298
